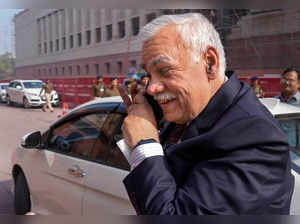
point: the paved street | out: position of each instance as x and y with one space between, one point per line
15 122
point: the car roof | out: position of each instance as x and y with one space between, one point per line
21 80
279 108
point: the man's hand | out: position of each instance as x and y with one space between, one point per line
140 123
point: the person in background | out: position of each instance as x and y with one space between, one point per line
98 88
221 152
256 87
290 83
113 89
139 84
47 89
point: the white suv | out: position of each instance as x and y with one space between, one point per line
26 92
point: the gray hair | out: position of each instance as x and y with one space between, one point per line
195 30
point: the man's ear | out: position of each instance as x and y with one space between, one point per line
211 60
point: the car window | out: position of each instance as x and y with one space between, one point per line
4 86
33 85
12 84
109 135
78 136
291 127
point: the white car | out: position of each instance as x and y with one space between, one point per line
3 87
26 92
75 166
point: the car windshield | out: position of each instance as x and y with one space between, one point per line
4 86
291 127
33 85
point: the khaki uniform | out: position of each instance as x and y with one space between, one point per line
48 87
98 90
112 92
258 91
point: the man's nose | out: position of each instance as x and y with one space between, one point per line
155 87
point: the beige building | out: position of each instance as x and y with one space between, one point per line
76 42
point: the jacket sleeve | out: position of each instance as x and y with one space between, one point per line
247 180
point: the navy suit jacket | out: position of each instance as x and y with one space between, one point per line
232 159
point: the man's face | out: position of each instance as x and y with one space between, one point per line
100 80
145 81
289 83
114 82
179 85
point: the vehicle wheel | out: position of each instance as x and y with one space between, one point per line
22 197
8 102
25 103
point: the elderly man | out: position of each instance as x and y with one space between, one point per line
290 83
223 152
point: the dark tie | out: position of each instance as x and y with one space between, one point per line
175 134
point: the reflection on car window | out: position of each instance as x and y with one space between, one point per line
109 135
33 85
291 129
78 137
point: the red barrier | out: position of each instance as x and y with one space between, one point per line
76 91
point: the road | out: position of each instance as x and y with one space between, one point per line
15 122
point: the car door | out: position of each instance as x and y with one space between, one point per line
61 181
11 91
18 92
105 192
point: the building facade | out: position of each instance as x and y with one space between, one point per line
78 42
86 42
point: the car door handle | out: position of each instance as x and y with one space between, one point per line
77 172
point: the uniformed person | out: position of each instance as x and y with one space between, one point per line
256 87
98 88
113 89
47 89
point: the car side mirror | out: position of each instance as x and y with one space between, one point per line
32 140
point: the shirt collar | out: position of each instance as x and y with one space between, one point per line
294 97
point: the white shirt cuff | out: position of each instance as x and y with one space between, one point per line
140 153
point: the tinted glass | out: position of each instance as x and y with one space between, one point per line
78 136
33 85
4 86
291 128
110 134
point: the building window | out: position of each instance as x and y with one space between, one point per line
70 70
71 41
39 72
64 43
107 67
150 17
120 67
135 25
49 71
87 69
57 44
97 69
79 39
98 35
51 46
56 71
88 37
40 49
78 69
45 48
121 27
63 71
109 32
45 72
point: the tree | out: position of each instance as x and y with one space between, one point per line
7 66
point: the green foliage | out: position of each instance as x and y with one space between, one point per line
7 66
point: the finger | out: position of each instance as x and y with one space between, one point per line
139 98
126 99
134 90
